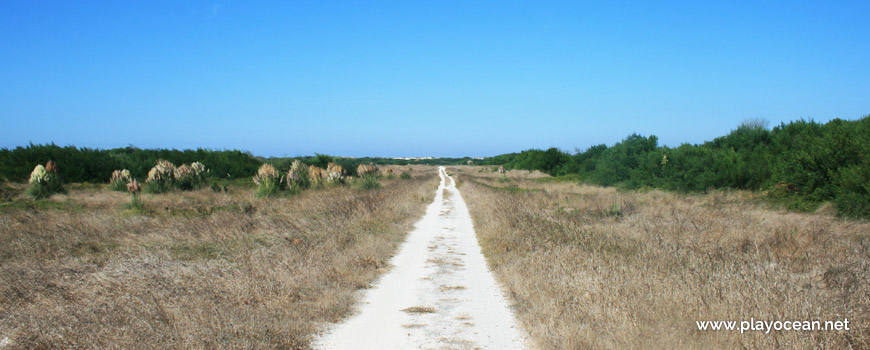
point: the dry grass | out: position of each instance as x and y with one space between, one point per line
591 267
199 269
419 310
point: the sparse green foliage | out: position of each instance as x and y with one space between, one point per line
368 183
135 196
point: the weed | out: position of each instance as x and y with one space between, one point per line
368 183
669 260
268 181
45 181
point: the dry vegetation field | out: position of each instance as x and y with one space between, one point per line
199 269
591 267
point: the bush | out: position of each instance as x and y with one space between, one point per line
405 175
119 180
135 196
161 178
297 176
802 164
368 183
45 181
364 170
334 174
388 172
190 177
853 205
316 175
268 181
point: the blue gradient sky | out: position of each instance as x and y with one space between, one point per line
413 78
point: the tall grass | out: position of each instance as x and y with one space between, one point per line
268 181
297 177
592 267
119 180
161 178
45 181
335 174
190 177
368 183
206 271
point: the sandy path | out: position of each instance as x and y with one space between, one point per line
439 293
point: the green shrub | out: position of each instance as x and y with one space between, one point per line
853 205
161 178
268 181
368 183
135 196
335 174
297 176
190 177
802 164
45 181
405 175
119 180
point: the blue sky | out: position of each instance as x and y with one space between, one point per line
415 78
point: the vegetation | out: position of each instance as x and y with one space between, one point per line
801 164
45 181
161 178
94 165
297 176
269 183
350 165
201 270
190 177
119 180
368 183
135 196
593 267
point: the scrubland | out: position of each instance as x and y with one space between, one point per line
592 267
195 269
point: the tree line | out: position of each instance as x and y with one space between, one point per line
801 164
96 165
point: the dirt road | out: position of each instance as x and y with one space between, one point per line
439 293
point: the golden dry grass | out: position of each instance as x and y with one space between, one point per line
591 267
200 270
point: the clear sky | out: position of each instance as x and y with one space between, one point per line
417 78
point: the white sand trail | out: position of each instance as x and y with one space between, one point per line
439 293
